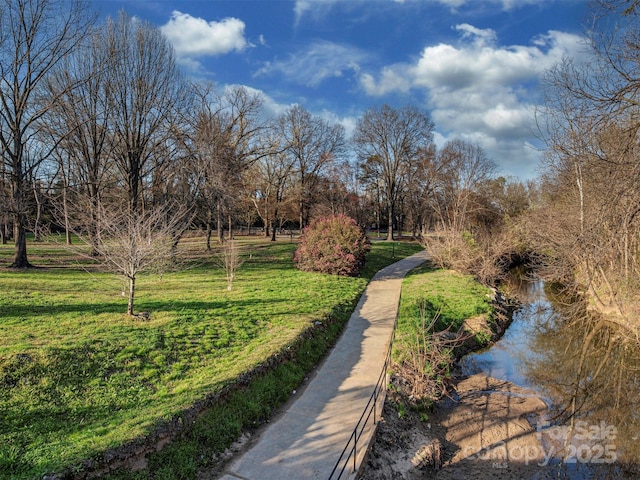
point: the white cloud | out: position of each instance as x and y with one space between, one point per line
439 139
315 8
195 37
455 5
391 80
319 8
318 62
191 64
271 108
479 36
479 90
348 122
478 65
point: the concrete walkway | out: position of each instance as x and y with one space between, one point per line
307 440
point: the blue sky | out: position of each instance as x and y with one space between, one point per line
475 65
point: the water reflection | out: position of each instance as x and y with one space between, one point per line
586 368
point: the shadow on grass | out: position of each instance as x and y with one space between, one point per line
178 307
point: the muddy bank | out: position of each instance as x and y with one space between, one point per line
483 431
488 432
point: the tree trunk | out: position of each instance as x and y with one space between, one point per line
578 170
20 235
20 224
65 209
3 225
132 291
301 216
8 229
94 204
378 211
230 227
273 225
209 230
209 234
390 226
220 226
133 185
36 228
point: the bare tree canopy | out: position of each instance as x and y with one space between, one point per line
267 183
590 217
313 144
393 139
35 37
145 90
130 246
224 138
464 168
83 153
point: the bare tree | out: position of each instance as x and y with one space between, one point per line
131 245
392 138
590 222
144 91
590 218
230 260
313 144
421 186
370 175
336 192
511 196
5 195
467 233
268 183
35 37
463 170
225 139
83 154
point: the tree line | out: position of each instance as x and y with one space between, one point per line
101 135
589 224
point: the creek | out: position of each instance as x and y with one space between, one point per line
585 369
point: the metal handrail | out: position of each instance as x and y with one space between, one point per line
368 410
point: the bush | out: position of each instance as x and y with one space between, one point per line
487 257
335 245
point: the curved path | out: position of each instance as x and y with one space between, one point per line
307 440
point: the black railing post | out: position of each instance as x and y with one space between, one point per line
355 452
375 405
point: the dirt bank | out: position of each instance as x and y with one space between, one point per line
482 432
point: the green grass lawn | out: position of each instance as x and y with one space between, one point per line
77 376
447 293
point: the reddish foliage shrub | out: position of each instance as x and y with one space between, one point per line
335 245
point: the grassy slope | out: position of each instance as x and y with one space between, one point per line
77 376
453 295
428 292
